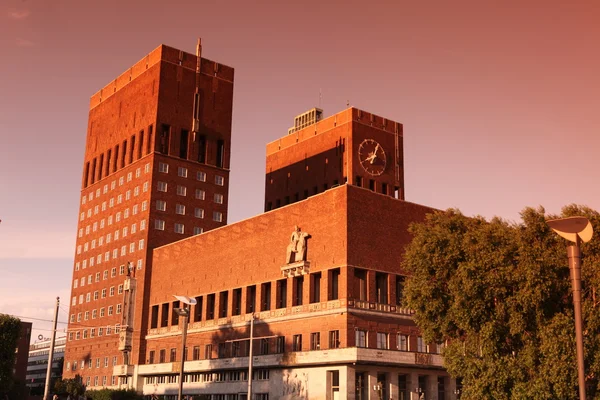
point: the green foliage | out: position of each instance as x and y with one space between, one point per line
74 386
10 329
110 394
500 294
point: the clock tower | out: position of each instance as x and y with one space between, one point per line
353 146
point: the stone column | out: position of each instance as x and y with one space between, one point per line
413 384
372 381
432 387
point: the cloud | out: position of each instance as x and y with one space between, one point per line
18 14
20 42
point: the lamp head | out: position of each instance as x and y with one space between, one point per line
572 228
187 300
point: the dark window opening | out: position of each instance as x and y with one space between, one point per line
208 351
359 181
164 315
108 162
151 357
269 206
165 138
210 306
162 356
334 282
237 302
280 344
381 289
183 144
86 174
154 318
281 293
175 314
220 153
150 145
196 353
93 172
360 276
202 149
198 309
100 166
315 289
397 192
250 299
287 200
399 289
116 159
265 294
371 184
132 149
173 355
297 287
124 154
306 193
264 346
141 145
223 301
277 203
384 188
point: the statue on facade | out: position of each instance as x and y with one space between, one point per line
296 250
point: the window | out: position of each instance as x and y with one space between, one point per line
265 297
111 291
315 287
183 172
161 205
218 198
151 357
401 342
382 340
197 230
159 224
179 228
297 343
180 209
110 310
144 206
201 176
208 351
162 356
103 293
361 338
334 278
315 341
102 312
163 167
113 272
334 339
264 346
421 346
200 194
162 186
119 308
217 216
198 213
399 289
181 190
219 180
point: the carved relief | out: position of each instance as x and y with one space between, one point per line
295 386
296 250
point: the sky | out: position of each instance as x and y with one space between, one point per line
500 102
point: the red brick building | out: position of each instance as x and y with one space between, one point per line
318 275
156 170
22 352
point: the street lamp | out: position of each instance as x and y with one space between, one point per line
183 312
576 230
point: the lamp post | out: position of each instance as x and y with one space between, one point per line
185 313
576 230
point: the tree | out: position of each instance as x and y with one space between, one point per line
73 386
499 295
10 330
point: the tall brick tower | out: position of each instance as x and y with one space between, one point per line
352 146
156 170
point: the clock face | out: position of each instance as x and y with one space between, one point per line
372 157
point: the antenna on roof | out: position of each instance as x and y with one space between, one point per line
320 97
196 111
347 103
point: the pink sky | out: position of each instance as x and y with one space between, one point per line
500 102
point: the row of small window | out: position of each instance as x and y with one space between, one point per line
403 342
183 173
217 376
90 363
159 224
88 298
91 333
109 237
115 252
97 295
98 260
111 202
109 220
230 301
182 191
113 184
